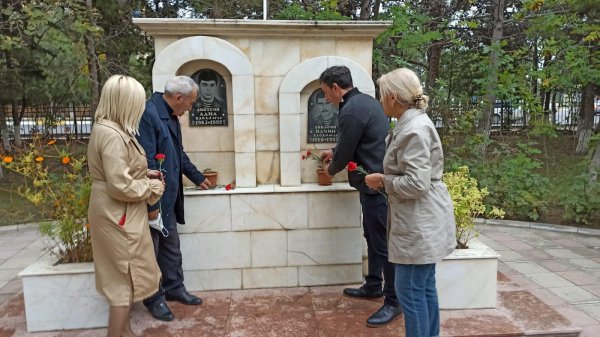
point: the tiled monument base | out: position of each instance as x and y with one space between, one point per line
315 312
270 238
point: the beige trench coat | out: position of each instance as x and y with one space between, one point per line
124 261
421 225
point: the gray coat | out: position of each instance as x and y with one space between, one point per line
421 226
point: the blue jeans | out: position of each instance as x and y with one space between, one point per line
415 287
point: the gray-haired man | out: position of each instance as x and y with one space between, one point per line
160 133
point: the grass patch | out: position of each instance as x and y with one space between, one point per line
15 209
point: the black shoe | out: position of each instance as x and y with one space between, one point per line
383 316
185 298
362 293
161 311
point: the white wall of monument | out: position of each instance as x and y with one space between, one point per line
277 228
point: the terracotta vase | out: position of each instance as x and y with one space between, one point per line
324 180
212 177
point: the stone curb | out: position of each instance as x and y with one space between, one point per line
538 225
19 227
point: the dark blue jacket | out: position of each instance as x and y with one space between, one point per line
362 128
160 132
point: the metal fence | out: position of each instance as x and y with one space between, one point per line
563 114
511 115
73 122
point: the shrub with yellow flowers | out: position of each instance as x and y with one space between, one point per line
56 181
467 199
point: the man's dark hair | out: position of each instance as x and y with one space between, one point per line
337 74
207 75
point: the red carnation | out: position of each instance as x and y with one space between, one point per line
308 152
228 187
160 156
303 157
352 166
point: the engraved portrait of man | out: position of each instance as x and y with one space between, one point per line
322 119
210 108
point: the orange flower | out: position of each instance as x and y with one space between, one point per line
7 159
52 142
65 160
87 226
39 159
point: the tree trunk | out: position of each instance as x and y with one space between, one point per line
595 164
347 8
16 124
435 10
376 9
365 10
433 71
3 126
4 129
485 122
553 107
545 96
536 61
90 45
585 124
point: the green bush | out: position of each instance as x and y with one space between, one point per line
513 182
582 202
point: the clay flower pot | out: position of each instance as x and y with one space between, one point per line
324 179
212 177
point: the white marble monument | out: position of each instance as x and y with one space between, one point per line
278 227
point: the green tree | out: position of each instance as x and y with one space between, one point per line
568 32
42 55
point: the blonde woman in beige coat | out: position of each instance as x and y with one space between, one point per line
124 263
421 227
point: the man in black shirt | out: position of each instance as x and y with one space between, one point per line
362 128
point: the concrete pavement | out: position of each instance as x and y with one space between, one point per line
558 265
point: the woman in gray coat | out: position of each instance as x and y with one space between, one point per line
421 227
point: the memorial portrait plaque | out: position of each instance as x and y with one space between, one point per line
322 119
210 109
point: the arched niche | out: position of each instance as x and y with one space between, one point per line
297 82
184 56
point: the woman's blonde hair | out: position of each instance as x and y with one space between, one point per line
122 101
405 85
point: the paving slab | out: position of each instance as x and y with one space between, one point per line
574 294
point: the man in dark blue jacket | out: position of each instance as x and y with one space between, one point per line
160 133
362 128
